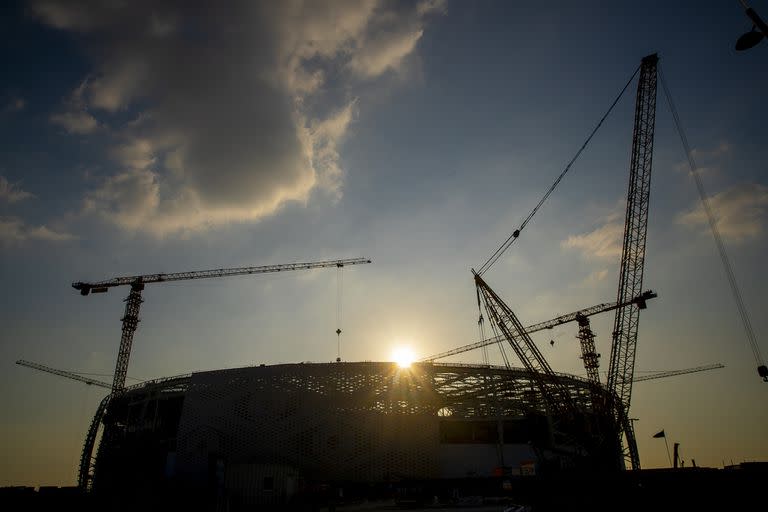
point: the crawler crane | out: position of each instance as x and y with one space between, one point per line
610 405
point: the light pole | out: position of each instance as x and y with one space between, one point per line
753 37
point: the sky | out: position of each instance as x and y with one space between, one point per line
155 136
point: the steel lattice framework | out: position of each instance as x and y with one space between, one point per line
63 373
85 469
101 286
167 385
130 322
574 428
339 421
549 324
503 318
588 351
624 346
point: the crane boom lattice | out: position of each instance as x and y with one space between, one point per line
102 286
63 373
549 324
685 371
556 397
626 321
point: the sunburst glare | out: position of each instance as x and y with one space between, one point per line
403 356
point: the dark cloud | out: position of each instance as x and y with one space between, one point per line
230 123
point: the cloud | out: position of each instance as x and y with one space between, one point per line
685 168
234 119
128 199
79 123
14 230
75 118
322 139
132 198
390 38
596 276
740 213
384 52
604 242
709 154
135 153
11 192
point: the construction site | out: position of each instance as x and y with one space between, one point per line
425 434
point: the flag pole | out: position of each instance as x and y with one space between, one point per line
664 435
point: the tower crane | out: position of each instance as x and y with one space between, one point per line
131 319
133 301
579 315
625 327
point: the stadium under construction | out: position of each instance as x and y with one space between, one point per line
265 434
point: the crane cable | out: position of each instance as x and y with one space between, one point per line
508 242
496 333
715 232
339 310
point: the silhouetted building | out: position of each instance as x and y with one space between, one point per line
268 434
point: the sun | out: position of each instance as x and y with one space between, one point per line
403 356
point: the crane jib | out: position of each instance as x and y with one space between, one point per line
134 300
86 288
641 301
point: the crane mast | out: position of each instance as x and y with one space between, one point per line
130 322
624 345
588 352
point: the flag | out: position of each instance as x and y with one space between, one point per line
659 434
